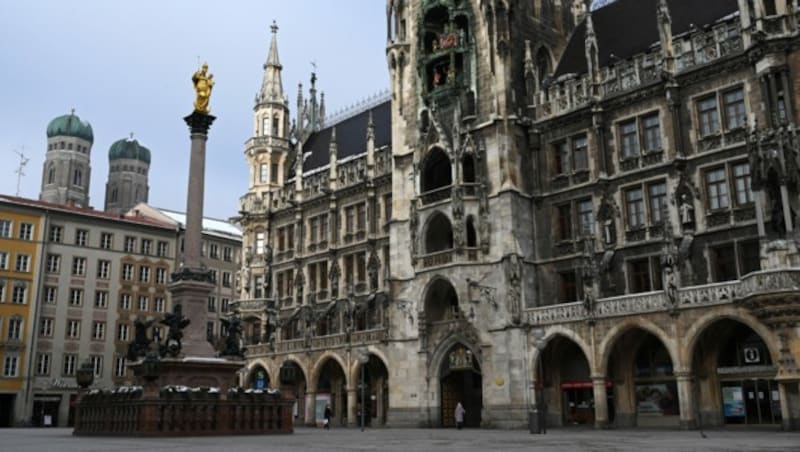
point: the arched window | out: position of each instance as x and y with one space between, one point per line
51 174
436 172
472 238
543 62
114 195
439 234
77 177
275 124
468 168
441 301
136 193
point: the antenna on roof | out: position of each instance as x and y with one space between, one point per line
20 169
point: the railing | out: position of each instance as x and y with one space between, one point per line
437 258
184 414
376 335
329 341
291 345
760 282
254 305
437 194
265 141
253 204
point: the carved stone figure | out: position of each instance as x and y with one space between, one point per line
203 84
373 266
232 345
514 289
687 210
140 345
333 275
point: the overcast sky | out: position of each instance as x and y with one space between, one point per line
126 67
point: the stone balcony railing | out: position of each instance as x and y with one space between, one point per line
266 142
253 204
760 282
254 305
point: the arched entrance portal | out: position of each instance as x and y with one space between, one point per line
375 379
735 376
646 392
564 379
461 382
259 378
293 382
331 389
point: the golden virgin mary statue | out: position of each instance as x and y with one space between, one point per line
203 83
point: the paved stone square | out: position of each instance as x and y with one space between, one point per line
416 440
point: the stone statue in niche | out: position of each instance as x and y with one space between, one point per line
333 276
514 288
268 271
686 209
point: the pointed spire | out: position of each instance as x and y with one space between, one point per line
272 86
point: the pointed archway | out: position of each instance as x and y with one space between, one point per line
564 384
375 391
461 381
258 378
293 382
331 389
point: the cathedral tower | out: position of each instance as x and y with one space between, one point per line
67 165
128 169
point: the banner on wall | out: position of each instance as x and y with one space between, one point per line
733 401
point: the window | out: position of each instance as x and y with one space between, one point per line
120 366
50 294
79 266
130 244
586 217
262 173
43 364
46 327
11 366
14 328
127 272
5 228
223 305
143 303
564 218
227 254
735 114
361 267
213 251
123 332
212 304
226 279
580 153
98 331
147 246
97 364
361 217
106 240
723 261
76 297
741 175
70 364
639 275
159 305
23 263
144 274
634 201
323 228
313 230
3 260
568 289
273 175
53 263
25 231
387 208
258 283
749 257
210 331
651 129
81 237
561 158
103 269
161 249
2 294
708 116
101 299
18 293
161 276
73 329
213 275
260 243
350 219
629 139
56 234
125 302
658 202
717 189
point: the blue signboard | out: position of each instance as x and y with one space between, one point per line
733 401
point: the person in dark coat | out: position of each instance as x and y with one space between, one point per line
326 424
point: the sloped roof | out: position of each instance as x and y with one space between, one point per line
351 136
628 27
142 221
211 226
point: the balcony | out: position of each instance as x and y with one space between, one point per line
435 195
254 305
752 284
253 204
438 258
266 141
367 336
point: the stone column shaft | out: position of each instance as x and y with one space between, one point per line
352 415
686 401
600 401
194 202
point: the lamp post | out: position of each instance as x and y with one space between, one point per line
363 359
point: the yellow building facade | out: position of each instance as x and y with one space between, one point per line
20 248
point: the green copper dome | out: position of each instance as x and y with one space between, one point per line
128 149
70 125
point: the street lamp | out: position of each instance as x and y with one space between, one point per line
363 359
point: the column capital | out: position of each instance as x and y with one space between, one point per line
683 374
199 123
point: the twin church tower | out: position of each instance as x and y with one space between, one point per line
67 167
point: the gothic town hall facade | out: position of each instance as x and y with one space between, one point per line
590 213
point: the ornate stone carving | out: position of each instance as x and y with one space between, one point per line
514 288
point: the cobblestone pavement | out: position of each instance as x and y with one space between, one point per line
414 440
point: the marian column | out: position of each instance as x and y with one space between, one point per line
192 284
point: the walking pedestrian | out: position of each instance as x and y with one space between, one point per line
326 423
460 415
